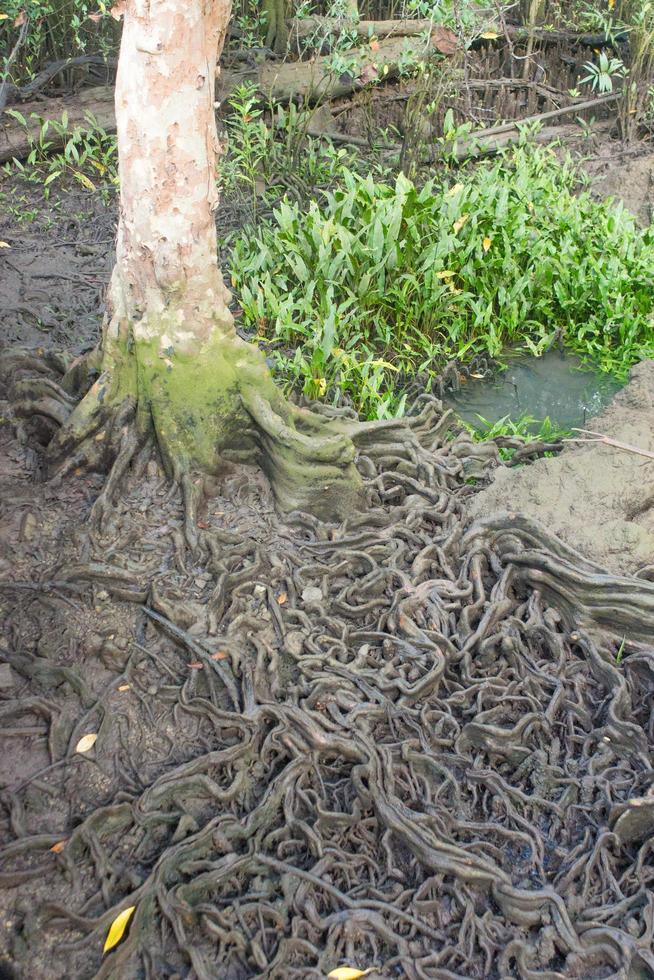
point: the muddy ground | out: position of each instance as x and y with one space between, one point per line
412 743
598 498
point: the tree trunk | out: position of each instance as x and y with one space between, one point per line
171 360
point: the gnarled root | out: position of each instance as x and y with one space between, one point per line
218 405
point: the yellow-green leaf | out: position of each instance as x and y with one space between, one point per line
455 189
117 929
459 223
347 973
84 180
86 742
445 274
489 35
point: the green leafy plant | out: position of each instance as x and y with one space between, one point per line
600 76
383 282
265 159
89 154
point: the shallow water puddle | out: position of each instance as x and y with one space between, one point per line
557 385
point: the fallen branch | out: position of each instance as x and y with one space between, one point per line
16 94
478 144
544 36
6 87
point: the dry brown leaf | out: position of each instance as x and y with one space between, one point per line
124 687
196 665
374 45
445 40
59 846
86 742
20 20
281 599
95 17
219 655
368 74
118 9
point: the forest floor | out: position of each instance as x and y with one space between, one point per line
414 744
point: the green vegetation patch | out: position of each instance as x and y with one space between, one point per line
381 282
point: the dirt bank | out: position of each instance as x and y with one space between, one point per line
627 175
598 499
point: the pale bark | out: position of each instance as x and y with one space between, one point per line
171 360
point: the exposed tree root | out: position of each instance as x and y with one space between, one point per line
423 760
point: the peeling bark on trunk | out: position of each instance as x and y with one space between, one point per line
172 361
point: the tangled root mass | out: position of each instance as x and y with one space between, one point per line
404 745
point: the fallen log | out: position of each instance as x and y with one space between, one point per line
311 82
303 28
315 81
304 81
16 139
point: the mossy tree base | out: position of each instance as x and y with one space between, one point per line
212 404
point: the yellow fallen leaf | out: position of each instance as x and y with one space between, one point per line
459 223
5 245
611 4
454 190
486 244
58 847
4 16
124 687
489 35
117 929
347 973
86 742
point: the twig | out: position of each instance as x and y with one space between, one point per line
599 437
